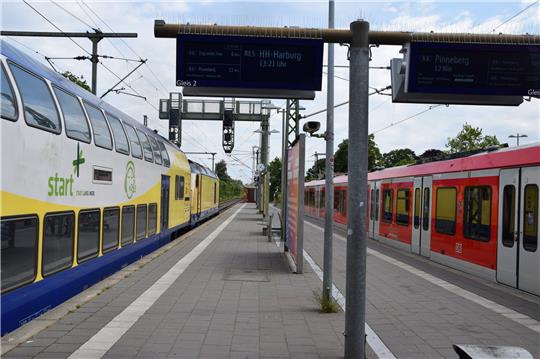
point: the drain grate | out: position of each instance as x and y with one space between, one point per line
247 275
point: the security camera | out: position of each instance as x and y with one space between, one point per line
311 127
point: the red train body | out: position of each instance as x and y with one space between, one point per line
477 213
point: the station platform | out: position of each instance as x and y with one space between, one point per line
223 291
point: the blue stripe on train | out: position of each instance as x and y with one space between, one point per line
26 303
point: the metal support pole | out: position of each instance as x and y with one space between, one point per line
357 193
329 194
264 160
284 164
297 118
95 61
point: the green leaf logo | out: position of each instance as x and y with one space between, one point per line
78 161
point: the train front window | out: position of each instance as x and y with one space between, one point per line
377 194
508 215
58 234
88 234
530 218
402 206
136 149
102 136
120 138
74 118
445 211
387 206
19 249
8 107
39 108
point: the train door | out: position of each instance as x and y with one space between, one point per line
518 256
374 198
421 231
198 182
165 184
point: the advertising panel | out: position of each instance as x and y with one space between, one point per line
295 201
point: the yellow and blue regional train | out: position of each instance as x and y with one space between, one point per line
85 189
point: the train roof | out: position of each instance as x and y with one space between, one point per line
501 158
198 168
28 62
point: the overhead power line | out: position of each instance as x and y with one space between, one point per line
75 16
408 118
514 16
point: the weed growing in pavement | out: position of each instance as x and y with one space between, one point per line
326 305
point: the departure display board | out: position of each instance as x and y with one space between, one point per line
248 62
479 69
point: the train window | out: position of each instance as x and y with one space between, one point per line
372 204
530 218
336 199
8 106
74 118
322 202
343 201
88 234
377 205
141 221
111 228
136 150
102 136
403 206
417 208
146 147
179 187
152 218
508 215
39 108
388 205
155 148
445 211
120 138
477 213
164 154
425 210
19 251
128 224
215 192
58 234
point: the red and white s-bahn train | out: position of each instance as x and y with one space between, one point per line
478 213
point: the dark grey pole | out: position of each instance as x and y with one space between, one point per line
95 61
329 195
357 169
264 160
284 163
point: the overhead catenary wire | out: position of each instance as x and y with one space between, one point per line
75 16
408 118
514 16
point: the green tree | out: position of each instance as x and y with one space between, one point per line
433 155
399 157
77 80
274 168
316 170
342 155
470 138
221 170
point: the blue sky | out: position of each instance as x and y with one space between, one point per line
426 131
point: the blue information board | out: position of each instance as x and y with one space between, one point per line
249 62
479 69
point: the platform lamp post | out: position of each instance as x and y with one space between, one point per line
517 137
265 134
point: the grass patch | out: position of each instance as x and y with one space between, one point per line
326 305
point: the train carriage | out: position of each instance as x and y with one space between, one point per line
478 213
85 189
